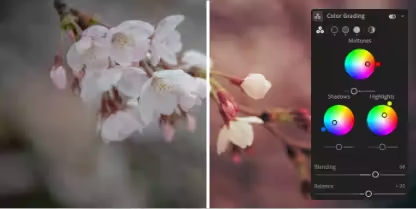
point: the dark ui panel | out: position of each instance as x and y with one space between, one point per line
359 104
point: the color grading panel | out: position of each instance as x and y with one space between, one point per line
359 104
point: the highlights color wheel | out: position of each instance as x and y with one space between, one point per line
338 120
382 120
359 64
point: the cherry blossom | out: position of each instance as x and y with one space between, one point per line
166 41
129 41
90 52
238 132
188 101
256 86
120 125
166 91
127 80
192 58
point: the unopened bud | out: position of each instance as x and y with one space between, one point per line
229 108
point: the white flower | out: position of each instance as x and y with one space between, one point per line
95 83
120 125
127 80
58 76
166 41
187 101
167 89
256 86
91 51
131 81
194 58
238 132
129 41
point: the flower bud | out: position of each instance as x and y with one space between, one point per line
58 73
228 106
302 118
255 86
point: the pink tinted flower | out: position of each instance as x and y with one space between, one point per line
238 132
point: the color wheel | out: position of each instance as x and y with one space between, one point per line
338 120
382 120
360 64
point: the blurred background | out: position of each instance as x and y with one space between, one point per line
49 154
272 37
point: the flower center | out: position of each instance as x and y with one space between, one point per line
160 85
121 40
91 53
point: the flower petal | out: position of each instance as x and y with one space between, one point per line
165 104
119 126
187 101
142 28
96 58
173 42
74 59
90 94
140 49
256 86
168 25
177 78
123 56
95 32
241 134
201 89
132 81
145 102
155 53
108 78
223 140
58 77
83 44
194 58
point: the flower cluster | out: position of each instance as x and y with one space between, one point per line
236 134
132 75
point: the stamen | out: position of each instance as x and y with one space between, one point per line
120 39
160 85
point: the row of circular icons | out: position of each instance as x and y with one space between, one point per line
381 120
346 30
355 29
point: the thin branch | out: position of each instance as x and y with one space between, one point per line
213 73
147 68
